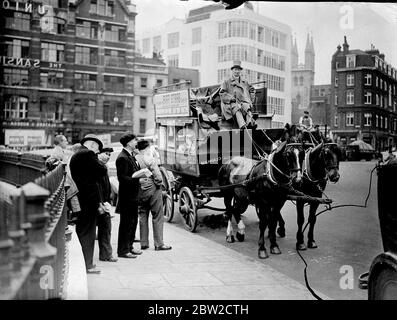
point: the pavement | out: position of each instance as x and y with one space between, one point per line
195 269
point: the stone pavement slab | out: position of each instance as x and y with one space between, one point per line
195 269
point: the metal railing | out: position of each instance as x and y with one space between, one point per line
33 229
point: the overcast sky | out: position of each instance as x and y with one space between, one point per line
363 24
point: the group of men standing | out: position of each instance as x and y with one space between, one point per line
140 189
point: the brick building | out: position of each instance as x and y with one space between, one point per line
320 106
363 97
66 67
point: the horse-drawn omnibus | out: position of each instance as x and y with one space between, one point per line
194 141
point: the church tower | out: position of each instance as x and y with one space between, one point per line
309 53
294 54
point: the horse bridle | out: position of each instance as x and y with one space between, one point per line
327 168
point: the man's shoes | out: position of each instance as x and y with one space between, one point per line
93 270
111 259
136 252
144 247
163 247
127 255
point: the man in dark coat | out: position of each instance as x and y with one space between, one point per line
126 166
104 220
87 171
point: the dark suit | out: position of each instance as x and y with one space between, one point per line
87 171
126 165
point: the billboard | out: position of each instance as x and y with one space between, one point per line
20 138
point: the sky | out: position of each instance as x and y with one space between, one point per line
328 22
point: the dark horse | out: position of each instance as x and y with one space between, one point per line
265 187
321 164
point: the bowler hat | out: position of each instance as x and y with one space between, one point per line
237 64
127 138
142 144
107 149
92 137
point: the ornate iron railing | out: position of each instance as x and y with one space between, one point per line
33 229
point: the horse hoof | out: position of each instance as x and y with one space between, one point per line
230 239
311 244
281 232
240 237
262 254
300 246
275 250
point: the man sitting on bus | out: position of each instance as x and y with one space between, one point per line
237 97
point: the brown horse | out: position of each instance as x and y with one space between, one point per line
265 188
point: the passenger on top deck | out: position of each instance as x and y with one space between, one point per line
237 97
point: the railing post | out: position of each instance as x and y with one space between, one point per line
5 251
42 276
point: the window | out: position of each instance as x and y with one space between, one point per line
336 81
102 7
349 119
336 100
335 121
143 82
51 79
52 52
381 122
196 58
142 102
386 122
85 81
87 29
173 40
15 77
114 58
301 81
86 55
367 119
350 80
47 108
377 81
114 83
17 21
196 35
377 99
350 97
142 126
15 48
381 101
377 121
159 82
15 107
261 34
115 33
146 45
112 110
295 81
390 95
156 44
350 61
173 60
368 98
252 31
222 31
368 79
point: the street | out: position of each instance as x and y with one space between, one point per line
347 236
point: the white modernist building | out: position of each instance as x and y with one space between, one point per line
210 38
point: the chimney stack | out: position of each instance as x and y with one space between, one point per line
345 46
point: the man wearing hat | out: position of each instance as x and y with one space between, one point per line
150 199
87 172
237 97
306 121
126 166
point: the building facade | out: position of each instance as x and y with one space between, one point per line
302 79
211 38
149 73
363 97
66 67
320 107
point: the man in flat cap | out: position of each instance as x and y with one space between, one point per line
87 172
237 97
126 166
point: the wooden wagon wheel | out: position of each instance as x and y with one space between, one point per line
168 196
188 209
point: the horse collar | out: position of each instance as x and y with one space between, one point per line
269 169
